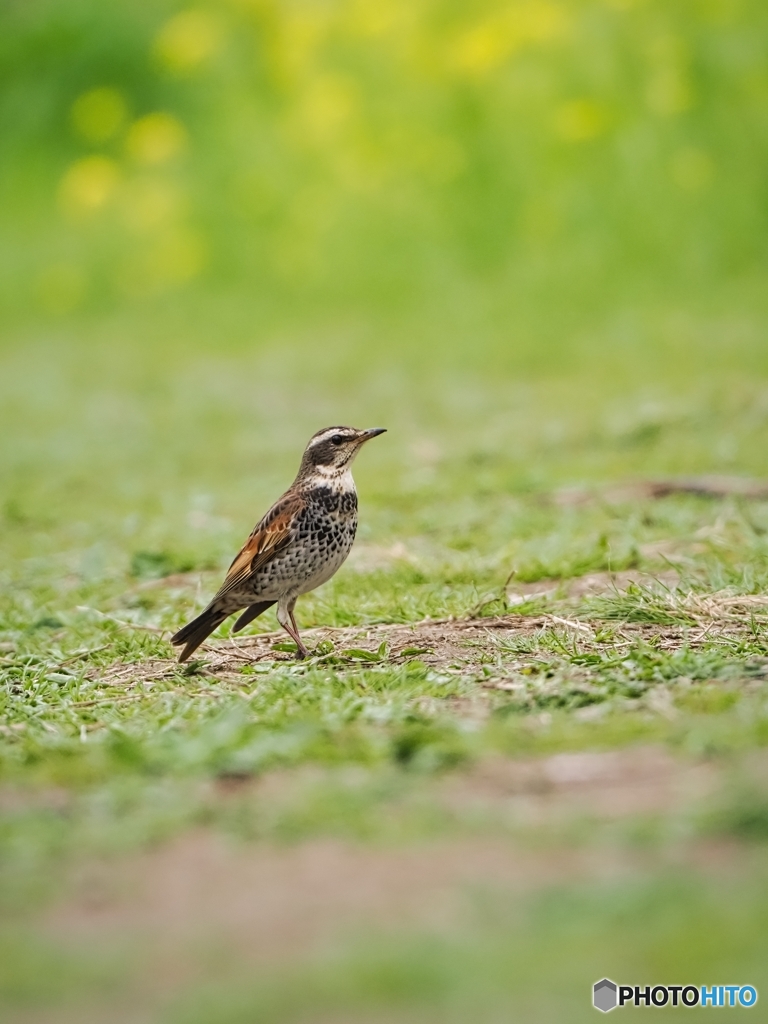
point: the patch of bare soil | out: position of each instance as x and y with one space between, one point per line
273 902
446 644
280 901
715 486
464 644
595 785
593 584
437 643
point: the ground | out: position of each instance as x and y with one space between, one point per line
528 238
484 810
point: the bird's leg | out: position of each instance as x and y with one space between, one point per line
287 621
291 606
303 652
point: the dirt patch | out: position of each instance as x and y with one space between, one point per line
279 901
598 785
447 643
593 584
451 646
599 613
276 901
713 486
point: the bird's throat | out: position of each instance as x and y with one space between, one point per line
336 478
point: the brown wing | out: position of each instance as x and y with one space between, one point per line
269 537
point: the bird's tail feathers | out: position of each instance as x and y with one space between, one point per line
198 630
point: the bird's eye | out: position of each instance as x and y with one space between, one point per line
337 439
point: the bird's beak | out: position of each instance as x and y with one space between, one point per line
366 435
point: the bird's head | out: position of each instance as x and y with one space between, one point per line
330 452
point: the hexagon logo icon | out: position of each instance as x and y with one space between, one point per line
604 995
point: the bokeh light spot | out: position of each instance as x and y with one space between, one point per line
174 258
189 40
484 47
490 43
580 120
373 17
88 185
301 32
327 106
668 92
156 138
98 114
178 256
149 203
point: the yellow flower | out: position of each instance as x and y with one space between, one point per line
98 114
156 138
188 40
668 91
88 185
580 120
489 43
327 105
177 257
170 261
148 204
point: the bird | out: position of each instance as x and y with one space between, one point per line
297 545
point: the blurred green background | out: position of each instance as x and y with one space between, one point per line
529 238
377 157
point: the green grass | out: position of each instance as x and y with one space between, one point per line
668 928
127 476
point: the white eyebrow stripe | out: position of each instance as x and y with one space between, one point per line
331 432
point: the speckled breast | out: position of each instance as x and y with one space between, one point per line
322 538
